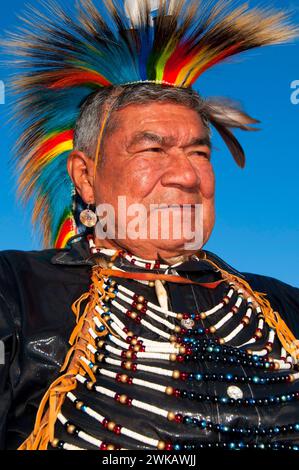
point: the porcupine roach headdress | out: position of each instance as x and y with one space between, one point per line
65 56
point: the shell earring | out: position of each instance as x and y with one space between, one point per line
88 217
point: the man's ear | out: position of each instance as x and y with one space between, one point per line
80 168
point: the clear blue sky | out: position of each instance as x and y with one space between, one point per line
257 228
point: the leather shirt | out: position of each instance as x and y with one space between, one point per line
37 290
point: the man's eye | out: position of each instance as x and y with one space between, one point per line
201 154
153 149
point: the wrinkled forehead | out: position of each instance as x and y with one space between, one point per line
166 123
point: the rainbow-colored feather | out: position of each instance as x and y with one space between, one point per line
65 55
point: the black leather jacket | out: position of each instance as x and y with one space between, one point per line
36 291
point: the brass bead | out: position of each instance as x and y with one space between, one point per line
106 309
169 390
249 351
140 298
221 341
172 339
177 329
123 378
151 284
258 334
179 316
79 405
172 357
130 333
139 307
176 374
100 357
110 447
112 283
106 317
71 429
55 443
246 320
203 315
276 366
128 365
111 425
101 344
133 315
161 445
182 350
95 369
291 378
89 385
171 416
137 348
129 354
110 289
123 399
107 298
110 264
212 329
134 341
163 281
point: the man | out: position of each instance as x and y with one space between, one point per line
170 348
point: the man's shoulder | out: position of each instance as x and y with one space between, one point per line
284 298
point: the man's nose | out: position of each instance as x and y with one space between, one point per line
180 172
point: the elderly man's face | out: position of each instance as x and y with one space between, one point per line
158 153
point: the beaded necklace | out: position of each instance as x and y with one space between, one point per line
182 341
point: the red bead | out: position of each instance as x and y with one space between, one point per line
134 367
103 446
123 364
131 347
168 446
183 375
105 422
126 329
135 337
142 349
183 331
118 377
207 330
134 304
178 418
134 356
157 265
177 393
129 339
117 429
186 316
140 342
147 266
188 351
180 358
235 309
135 297
129 402
124 354
143 310
116 396
197 317
129 380
145 302
138 319
133 260
128 313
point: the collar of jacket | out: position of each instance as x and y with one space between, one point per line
77 254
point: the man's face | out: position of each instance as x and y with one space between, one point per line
158 153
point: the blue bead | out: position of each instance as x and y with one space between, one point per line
232 445
203 424
198 377
176 447
296 427
256 379
228 376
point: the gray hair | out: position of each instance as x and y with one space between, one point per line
221 113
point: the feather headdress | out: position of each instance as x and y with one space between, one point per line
65 56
